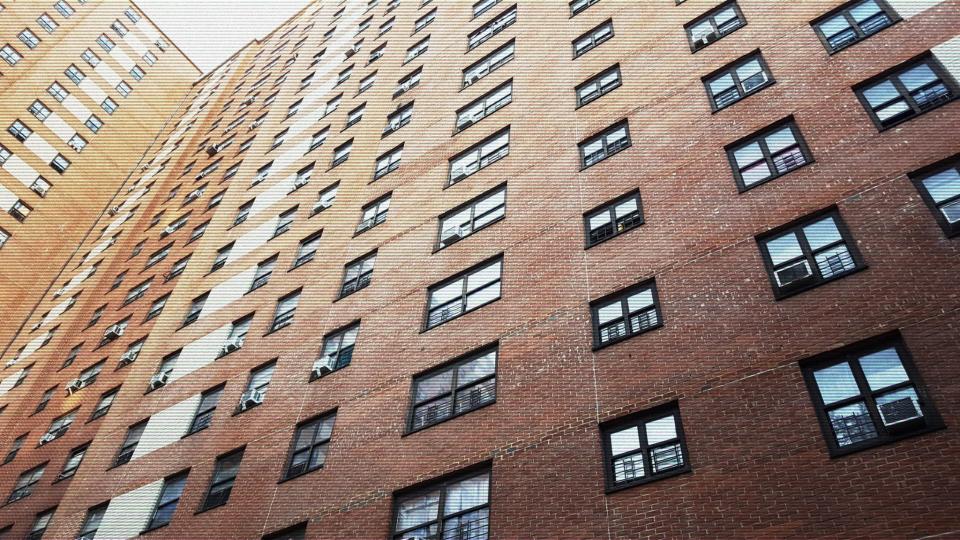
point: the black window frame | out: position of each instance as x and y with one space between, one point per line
640 419
609 207
316 444
769 158
456 389
917 177
301 259
594 44
441 484
796 226
218 493
718 32
128 447
595 79
860 34
488 108
622 295
731 69
285 319
463 297
378 218
851 354
158 504
472 203
344 355
362 280
602 136
203 416
477 148
944 78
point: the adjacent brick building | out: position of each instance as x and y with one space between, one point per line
419 269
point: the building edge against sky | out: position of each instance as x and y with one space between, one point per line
417 269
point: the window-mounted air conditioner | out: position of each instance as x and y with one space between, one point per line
74 385
231 345
250 398
322 366
128 357
114 332
159 380
793 274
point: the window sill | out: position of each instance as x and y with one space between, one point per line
598 346
409 432
155 527
755 91
914 116
427 329
889 440
294 477
607 239
275 330
209 508
677 472
779 295
742 188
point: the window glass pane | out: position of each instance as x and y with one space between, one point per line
702 29
446 293
481 367
836 383
899 406
784 248
883 369
748 154
822 233
481 297
641 300
467 494
943 186
625 208
610 312
661 430
419 510
727 14
434 385
722 83
780 140
749 69
852 424
483 276
888 112
865 10
625 440
600 220
879 94
497 199
917 77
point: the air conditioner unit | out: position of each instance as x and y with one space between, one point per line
168 230
37 325
47 437
454 234
793 273
74 385
248 101
59 292
113 211
128 357
322 366
114 332
255 125
322 205
195 193
300 182
11 361
704 40
212 150
159 380
201 175
472 79
145 167
231 345
250 398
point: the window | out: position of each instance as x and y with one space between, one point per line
4 236
481 7
318 138
386 26
45 399
10 55
285 221
77 142
39 110
939 187
464 385
224 474
853 22
325 199
375 54
407 83
307 249
90 58
613 218
19 130
109 105
374 214
644 447
47 23
737 80
472 216
262 275
157 306
398 119
40 186
593 38
354 116
137 292
357 274
25 483
714 24
123 89
71 356
341 153
169 498
106 43
15 448
417 49
196 306
608 142
63 8
310 443
61 424
60 164
344 76
73 462
423 21
149 58
625 314
103 405
92 521
388 162
257 386
868 394
74 74
479 156
137 73
906 91
492 28
578 6
130 442
40 524
20 211
768 154
93 123
459 507
221 259
488 64
158 255
463 293
242 212
486 105
294 108
809 252
119 28
337 351
283 314
600 84
58 92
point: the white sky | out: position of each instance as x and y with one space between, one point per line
209 31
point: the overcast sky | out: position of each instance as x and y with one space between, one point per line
209 31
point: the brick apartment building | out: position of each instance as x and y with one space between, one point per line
465 270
